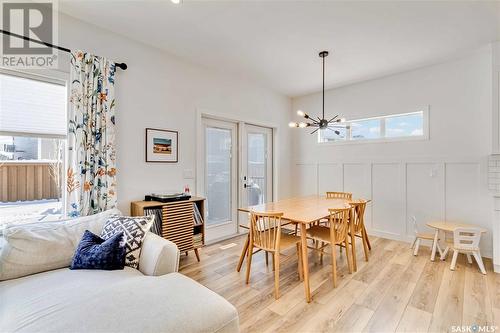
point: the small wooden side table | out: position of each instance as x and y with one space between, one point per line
450 227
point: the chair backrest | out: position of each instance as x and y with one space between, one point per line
265 230
414 223
358 215
339 195
466 238
339 220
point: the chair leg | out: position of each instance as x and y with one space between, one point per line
299 260
197 254
274 267
276 274
249 261
417 245
367 239
267 259
296 229
348 256
321 255
454 260
365 245
413 244
479 260
334 265
469 258
243 254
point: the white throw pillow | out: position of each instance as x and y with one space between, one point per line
134 229
38 247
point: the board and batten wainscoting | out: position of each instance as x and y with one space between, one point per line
454 190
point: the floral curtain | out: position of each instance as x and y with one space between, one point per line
91 174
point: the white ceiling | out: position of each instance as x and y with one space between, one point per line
276 42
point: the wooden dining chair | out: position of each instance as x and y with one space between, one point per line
465 240
336 234
266 235
339 195
357 218
331 195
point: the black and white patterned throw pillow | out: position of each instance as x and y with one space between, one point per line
134 229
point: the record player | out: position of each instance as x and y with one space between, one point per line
167 197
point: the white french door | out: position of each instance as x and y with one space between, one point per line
256 177
220 154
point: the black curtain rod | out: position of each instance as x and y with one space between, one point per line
5 32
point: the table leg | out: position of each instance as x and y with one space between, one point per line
434 245
305 264
243 253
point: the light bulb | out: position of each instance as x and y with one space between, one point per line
176 1
301 113
342 120
302 125
292 124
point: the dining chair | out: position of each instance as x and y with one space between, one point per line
336 234
465 240
265 234
357 218
333 195
339 195
419 236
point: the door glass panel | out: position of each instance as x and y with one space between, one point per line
256 182
218 163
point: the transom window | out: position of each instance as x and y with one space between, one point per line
382 128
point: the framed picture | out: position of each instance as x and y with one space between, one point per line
162 145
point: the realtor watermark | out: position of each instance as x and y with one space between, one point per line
474 329
36 20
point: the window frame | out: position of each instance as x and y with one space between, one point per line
383 138
53 77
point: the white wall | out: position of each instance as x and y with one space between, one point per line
444 177
161 91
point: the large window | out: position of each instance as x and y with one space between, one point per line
384 128
32 143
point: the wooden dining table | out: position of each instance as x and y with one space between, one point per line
303 211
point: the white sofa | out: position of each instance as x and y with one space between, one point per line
154 298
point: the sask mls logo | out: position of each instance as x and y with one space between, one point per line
35 20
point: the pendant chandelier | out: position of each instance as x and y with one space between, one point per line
321 123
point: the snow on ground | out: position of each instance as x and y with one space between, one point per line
22 212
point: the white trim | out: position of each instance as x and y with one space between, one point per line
54 77
349 141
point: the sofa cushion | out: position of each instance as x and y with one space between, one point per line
112 301
134 228
38 247
93 252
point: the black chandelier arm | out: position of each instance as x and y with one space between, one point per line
333 118
324 87
317 129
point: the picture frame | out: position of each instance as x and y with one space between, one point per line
162 146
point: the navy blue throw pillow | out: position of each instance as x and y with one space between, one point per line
93 252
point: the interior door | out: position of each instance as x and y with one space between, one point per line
256 179
220 178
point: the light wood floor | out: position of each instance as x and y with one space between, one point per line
394 291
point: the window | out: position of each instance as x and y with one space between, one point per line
32 143
383 128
